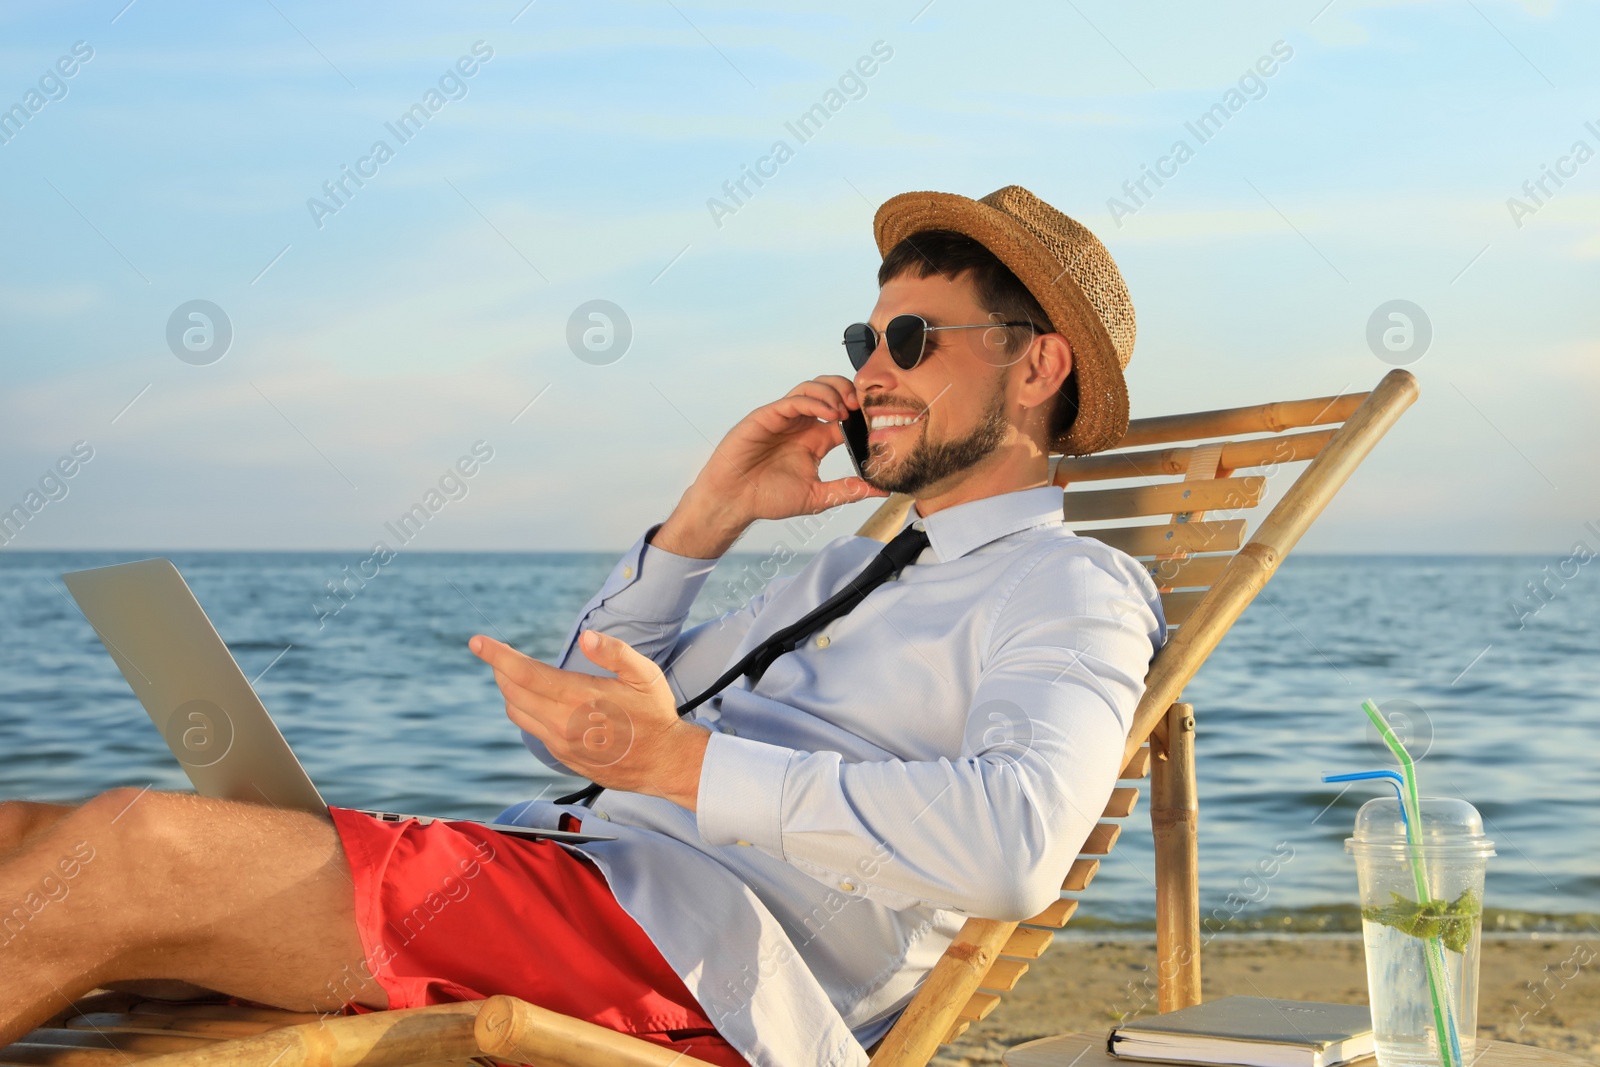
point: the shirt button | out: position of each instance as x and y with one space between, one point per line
848 887
822 641
746 844
603 815
730 731
627 572
919 525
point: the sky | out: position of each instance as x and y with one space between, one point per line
356 344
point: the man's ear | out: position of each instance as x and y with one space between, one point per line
1049 363
1045 367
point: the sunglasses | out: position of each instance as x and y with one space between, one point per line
907 337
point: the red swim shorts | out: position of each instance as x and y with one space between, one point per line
454 911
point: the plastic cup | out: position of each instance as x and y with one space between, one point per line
1397 928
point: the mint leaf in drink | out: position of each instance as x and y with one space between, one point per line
1458 920
1450 921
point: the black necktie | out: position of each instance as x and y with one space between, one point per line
906 546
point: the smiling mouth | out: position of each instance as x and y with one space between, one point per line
879 426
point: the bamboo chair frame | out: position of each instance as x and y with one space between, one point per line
1204 589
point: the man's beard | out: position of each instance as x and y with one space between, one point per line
929 463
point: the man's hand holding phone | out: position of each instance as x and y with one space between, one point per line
766 468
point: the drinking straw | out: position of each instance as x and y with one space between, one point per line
1396 781
1433 951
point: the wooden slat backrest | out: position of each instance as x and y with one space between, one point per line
1207 575
1367 417
1163 498
1189 551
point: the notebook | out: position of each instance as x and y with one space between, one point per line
1250 1031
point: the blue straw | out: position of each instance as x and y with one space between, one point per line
1395 780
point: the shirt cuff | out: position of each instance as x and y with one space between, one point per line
741 793
652 583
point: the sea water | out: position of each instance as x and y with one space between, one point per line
1402 1007
387 708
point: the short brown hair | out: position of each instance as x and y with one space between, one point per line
951 254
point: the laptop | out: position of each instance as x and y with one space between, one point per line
195 693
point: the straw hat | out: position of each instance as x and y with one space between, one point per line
1067 270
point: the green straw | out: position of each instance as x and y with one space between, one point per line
1438 979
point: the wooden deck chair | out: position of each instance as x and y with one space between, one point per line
1206 580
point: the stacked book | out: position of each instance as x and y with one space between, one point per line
1249 1032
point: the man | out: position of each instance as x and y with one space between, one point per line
790 859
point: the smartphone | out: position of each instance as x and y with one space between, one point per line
855 440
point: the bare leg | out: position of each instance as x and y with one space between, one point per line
243 899
21 819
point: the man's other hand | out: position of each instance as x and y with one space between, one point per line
766 468
622 732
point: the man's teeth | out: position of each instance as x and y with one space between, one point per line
878 422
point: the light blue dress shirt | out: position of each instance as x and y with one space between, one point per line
942 751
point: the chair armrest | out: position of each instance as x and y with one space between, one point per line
380 1039
512 1029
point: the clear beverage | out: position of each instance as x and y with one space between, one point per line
1399 931
1402 1021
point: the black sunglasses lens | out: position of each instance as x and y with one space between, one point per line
859 341
905 337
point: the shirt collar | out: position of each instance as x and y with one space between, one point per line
957 530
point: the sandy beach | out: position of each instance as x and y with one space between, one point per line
1533 992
